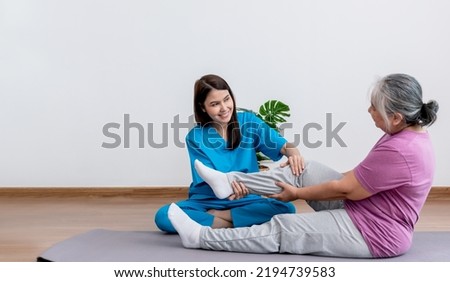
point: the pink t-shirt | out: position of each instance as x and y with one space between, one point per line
398 172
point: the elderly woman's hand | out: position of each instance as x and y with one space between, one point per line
288 193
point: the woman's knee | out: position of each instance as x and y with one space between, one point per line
162 220
291 208
283 207
316 173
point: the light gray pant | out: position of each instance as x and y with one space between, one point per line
328 232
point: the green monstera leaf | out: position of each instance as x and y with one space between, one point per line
273 112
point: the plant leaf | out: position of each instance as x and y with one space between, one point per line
273 112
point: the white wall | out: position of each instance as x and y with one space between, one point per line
67 68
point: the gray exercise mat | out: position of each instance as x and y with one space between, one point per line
101 245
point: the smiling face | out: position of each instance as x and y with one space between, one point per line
219 106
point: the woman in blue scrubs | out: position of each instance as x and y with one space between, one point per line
227 140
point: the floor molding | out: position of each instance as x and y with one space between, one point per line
436 193
439 193
135 192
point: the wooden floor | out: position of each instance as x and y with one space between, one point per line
30 225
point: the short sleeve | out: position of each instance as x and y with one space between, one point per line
265 139
383 169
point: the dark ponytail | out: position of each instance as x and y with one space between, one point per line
428 113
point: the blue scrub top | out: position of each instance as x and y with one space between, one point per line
205 144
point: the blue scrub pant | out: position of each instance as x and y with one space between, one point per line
247 211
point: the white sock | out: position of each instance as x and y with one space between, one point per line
188 229
216 179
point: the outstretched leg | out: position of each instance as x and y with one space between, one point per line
263 183
188 229
218 181
328 233
260 183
